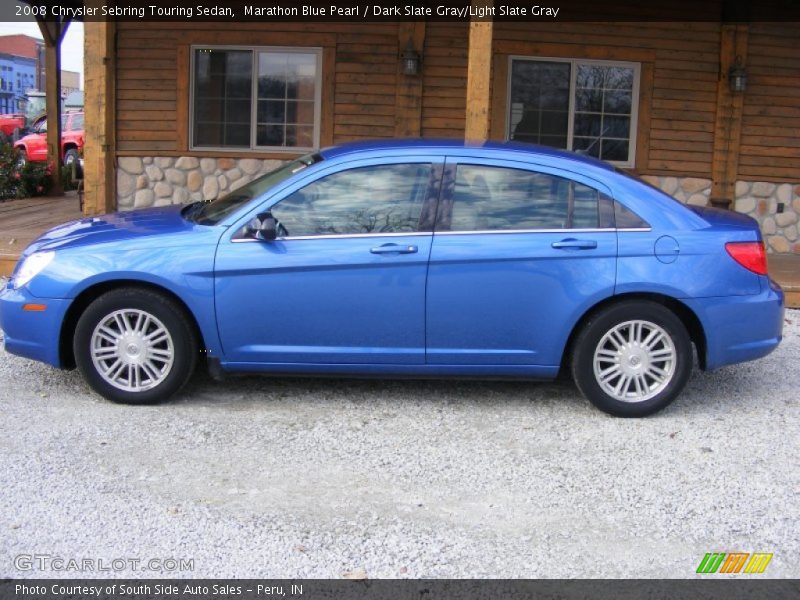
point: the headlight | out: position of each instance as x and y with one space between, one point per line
31 267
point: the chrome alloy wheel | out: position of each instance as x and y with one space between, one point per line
634 361
132 350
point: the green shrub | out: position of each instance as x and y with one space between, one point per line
33 179
9 174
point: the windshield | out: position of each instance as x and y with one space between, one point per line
214 212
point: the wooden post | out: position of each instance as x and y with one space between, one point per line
99 101
728 125
479 76
53 32
408 99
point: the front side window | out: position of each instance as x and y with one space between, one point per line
378 199
76 123
487 198
256 98
585 106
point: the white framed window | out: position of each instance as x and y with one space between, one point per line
589 106
261 98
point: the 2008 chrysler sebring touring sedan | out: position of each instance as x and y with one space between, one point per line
414 258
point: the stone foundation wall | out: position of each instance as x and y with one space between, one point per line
758 199
762 201
163 180
689 190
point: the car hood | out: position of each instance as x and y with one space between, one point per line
114 227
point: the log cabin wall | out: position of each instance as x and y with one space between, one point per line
768 174
366 96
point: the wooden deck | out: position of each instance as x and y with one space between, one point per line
22 221
785 269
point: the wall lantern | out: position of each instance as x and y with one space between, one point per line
737 76
410 59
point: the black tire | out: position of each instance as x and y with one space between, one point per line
71 156
22 158
594 331
175 321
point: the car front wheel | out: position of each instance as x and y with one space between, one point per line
632 359
70 157
135 346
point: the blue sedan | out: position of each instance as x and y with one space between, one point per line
415 258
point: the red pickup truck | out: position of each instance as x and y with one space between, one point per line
33 147
11 126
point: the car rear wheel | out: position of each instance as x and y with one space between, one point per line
632 359
135 346
22 158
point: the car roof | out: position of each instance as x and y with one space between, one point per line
443 146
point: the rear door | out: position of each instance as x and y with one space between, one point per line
518 254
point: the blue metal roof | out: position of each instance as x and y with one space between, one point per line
448 145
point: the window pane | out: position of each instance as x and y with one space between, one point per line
269 135
619 78
616 127
590 146
585 206
271 111
589 100
222 89
626 218
617 102
539 102
496 198
603 108
614 150
587 124
286 98
381 199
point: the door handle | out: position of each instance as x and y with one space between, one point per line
393 249
573 243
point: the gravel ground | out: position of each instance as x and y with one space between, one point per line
263 477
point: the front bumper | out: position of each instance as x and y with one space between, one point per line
740 328
34 335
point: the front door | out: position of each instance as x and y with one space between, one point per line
344 283
519 252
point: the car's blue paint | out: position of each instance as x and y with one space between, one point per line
472 304
740 328
322 301
31 334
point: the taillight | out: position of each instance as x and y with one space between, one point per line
751 255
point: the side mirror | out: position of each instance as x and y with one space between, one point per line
263 227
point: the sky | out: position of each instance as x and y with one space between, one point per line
71 47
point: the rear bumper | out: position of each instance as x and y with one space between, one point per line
34 335
740 328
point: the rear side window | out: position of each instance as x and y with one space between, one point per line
625 218
488 198
379 199
77 123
